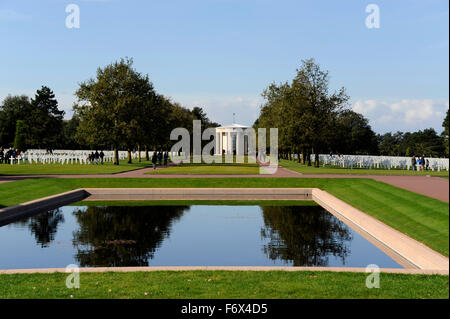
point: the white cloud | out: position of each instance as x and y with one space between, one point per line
403 115
364 107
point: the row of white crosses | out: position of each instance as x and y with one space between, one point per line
383 162
65 157
62 157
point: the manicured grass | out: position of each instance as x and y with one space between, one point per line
223 284
70 169
304 169
220 169
421 217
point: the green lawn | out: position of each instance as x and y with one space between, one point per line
208 169
223 284
421 217
304 169
70 169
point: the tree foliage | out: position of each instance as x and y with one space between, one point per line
19 140
117 108
45 120
14 108
426 142
445 133
41 125
304 111
311 119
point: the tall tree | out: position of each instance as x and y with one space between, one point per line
69 134
45 120
19 140
353 135
200 114
304 111
445 133
321 106
113 107
13 108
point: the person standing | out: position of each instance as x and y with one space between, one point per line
96 157
166 157
160 158
102 155
1 155
154 159
422 160
413 162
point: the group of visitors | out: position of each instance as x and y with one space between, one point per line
158 157
6 156
93 158
420 163
338 155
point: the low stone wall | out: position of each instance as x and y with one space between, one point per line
223 268
402 248
16 212
199 194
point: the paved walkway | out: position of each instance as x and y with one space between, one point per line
431 186
141 173
434 187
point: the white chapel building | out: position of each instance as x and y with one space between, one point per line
228 139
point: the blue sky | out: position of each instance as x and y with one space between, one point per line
221 54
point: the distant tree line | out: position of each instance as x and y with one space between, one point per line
311 119
35 123
118 109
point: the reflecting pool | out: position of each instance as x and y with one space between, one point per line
186 236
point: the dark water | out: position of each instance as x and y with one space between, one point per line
185 235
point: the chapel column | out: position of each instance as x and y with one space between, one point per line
217 150
237 143
229 144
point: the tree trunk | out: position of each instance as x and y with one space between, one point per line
298 157
303 156
139 153
129 157
316 158
116 156
147 157
308 155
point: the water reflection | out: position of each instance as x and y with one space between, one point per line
122 236
306 236
44 226
206 235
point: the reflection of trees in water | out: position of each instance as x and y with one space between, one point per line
304 235
122 236
43 226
